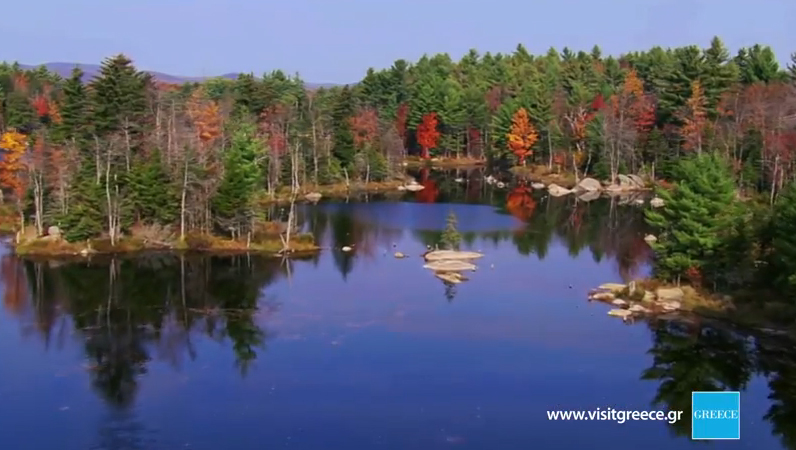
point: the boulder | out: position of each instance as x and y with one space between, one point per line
449 266
639 182
401 188
451 255
54 233
399 255
537 185
589 184
674 294
614 189
657 202
414 187
557 191
313 197
649 239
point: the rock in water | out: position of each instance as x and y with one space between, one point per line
449 266
557 191
537 185
346 248
613 287
415 187
451 255
450 277
399 255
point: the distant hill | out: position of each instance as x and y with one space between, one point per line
64 69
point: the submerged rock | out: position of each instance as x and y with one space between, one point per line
450 266
450 277
623 313
614 288
442 255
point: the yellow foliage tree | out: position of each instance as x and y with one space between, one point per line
522 135
694 119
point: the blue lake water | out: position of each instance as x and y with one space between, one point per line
361 350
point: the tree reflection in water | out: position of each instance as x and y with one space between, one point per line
693 356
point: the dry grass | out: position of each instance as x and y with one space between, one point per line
542 174
443 163
265 239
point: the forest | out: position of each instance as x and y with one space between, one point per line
101 157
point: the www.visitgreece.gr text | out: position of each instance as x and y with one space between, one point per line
614 415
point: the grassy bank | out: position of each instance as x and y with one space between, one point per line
542 174
443 163
333 191
262 242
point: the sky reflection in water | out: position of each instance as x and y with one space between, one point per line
363 350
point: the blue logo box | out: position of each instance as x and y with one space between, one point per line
715 415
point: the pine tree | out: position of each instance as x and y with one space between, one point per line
232 204
343 143
783 244
451 239
696 217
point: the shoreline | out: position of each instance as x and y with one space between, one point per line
47 247
443 163
651 299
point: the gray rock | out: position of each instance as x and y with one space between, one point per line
399 255
650 239
619 302
623 313
589 196
636 308
557 191
637 180
657 202
313 196
625 182
537 185
603 296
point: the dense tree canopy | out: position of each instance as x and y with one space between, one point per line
93 148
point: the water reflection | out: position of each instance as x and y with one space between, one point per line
129 314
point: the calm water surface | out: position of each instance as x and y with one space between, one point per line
362 350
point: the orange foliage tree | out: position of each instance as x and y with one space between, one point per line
522 135
13 145
427 134
694 119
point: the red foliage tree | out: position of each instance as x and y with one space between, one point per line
427 134
364 127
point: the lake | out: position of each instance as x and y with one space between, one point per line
360 350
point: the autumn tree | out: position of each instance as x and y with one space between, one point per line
694 118
427 134
522 135
13 145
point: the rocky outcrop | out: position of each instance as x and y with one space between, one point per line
451 255
630 301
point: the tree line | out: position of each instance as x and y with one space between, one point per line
97 156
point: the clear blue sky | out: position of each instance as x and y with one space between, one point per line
337 40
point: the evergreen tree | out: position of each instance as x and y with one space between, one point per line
783 245
233 202
343 145
696 218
